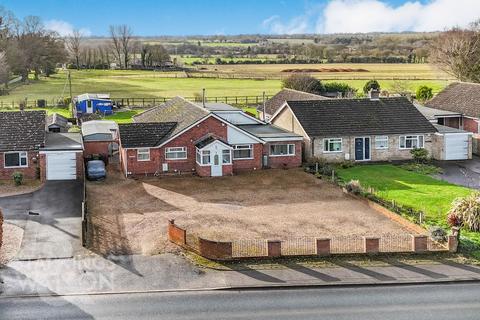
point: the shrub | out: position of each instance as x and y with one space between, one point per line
420 155
438 234
303 82
41 103
467 210
17 178
339 87
354 187
346 164
454 220
424 93
371 84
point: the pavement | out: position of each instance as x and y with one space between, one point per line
51 219
465 173
168 272
426 302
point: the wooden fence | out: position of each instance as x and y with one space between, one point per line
139 102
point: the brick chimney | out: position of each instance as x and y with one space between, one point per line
374 94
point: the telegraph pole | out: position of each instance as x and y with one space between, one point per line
71 97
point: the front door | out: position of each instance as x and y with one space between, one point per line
216 163
362 149
89 106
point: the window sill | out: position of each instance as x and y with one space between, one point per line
17 167
282 155
243 158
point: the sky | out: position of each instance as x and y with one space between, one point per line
231 17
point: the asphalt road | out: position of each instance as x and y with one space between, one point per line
454 301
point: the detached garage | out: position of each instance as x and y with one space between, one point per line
452 144
63 156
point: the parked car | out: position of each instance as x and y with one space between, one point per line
96 170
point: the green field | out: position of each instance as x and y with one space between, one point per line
421 192
148 84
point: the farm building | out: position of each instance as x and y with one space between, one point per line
93 103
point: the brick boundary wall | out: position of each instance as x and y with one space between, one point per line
224 250
215 250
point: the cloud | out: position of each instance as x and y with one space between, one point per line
351 16
296 25
64 28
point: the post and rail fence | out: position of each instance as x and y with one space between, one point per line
135 102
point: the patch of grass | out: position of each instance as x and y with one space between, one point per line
123 116
419 191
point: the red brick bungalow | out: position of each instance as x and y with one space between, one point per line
209 140
27 147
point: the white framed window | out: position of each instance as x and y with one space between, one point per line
203 157
332 145
176 153
411 142
381 142
242 151
226 156
15 159
143 154
277 150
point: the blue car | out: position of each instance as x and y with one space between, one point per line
96 170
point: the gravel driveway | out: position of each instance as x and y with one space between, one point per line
270 204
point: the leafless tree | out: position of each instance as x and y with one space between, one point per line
4 69
121 36
457 51
74 42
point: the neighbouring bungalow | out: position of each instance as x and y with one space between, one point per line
100 138
26 147
277 101
458 106
93 103
209 139
372 129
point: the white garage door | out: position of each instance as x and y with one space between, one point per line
61 166
456 146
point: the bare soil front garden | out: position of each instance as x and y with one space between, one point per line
131 216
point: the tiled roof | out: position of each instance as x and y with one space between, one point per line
57 119
22 130
345 117
459 97
145 135
179 110
275 102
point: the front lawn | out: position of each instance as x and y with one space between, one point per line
419 191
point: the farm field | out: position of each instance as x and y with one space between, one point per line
347 71
148 84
